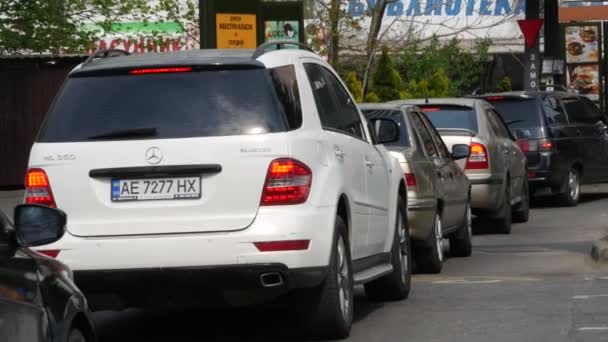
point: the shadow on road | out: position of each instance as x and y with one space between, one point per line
218 325
550 202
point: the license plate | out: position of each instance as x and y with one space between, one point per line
150 189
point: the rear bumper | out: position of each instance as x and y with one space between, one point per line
486 191
236 277
203 251
421 217
548 173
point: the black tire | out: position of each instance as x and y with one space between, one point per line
397 285
522 213
76 336
324 315
571 197
461 242
429 256
502 225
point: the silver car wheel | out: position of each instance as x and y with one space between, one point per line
439 237
573 185
344 280
403 248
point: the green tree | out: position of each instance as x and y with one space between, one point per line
462 68
387 82
355 86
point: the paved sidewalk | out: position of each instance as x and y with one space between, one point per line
8 201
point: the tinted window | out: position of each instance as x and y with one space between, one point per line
286 85
404 140
554 112
497 126
336 109
518 112
178 105
452 117
443 151
425 137
594 113
578 112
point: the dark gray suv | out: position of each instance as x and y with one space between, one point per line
564 136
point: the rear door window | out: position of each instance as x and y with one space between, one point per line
451 116
176 105
336 109
578 111
554 112
497 125
424 135
441 148
518 112
397 115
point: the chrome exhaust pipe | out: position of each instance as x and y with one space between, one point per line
271 279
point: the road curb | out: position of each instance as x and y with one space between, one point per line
599 250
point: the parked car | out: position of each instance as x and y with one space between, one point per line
496 166
223 170
564 137
38 299
438 190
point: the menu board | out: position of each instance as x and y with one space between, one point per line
583 56
585 79
582 44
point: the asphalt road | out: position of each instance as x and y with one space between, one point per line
537 284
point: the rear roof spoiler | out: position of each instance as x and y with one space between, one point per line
457 131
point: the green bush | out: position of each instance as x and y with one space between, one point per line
437 85
504 84
387 83
371 97
355 86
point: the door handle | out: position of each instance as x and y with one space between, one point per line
340 154
369 163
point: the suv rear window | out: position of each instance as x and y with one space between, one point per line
397 115
176 105
451 116
518 112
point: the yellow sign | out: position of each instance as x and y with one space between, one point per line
236 31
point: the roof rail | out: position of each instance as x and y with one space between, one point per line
106 54
279 45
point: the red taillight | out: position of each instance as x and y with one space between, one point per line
52 253
524 145
533 145
159 70
545 145
495 98
531 174
430 109
478 160
38 188
277 246
410 179
287 182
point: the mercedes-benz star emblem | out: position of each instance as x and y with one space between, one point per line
154 155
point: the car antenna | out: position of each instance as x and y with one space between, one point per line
426 97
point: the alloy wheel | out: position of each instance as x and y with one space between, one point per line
403 247
573 185
344 280
439 237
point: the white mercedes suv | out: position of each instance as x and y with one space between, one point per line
222 170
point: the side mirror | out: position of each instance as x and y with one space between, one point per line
37 225
8 245
385 131
522 134
460 151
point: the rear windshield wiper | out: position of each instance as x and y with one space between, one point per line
127 134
